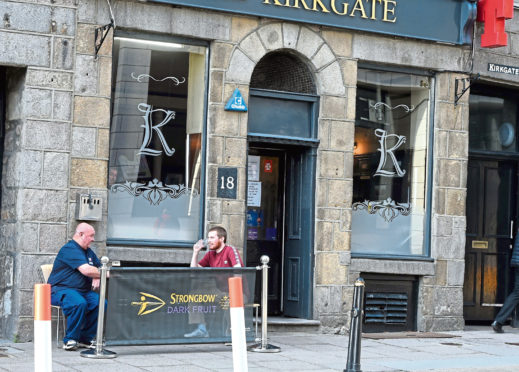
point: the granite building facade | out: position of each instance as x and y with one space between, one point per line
345 154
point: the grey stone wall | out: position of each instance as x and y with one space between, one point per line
39 39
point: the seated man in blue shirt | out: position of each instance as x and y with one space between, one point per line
74 276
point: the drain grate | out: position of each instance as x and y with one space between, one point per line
451 344
512 343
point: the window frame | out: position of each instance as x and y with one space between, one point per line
486 88
203 186
429 173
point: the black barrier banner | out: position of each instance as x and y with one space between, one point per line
165 305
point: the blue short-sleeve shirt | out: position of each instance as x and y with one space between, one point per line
65 273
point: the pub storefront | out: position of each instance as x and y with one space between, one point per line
325 136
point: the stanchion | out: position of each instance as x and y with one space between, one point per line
99 352
42 329
239 341
264 346
515 318
353 364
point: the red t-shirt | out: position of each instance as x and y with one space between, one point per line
228 257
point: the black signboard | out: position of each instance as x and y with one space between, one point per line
227 183
503 69
149 306
422 19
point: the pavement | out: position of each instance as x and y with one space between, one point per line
475 349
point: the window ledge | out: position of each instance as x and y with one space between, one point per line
369 265
149 254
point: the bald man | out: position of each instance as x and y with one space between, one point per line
74 277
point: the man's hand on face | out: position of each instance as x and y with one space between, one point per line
199 245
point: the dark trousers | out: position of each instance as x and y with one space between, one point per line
511 301
81 309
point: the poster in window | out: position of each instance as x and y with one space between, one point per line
254 194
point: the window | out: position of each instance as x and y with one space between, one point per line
155 166
493 119
390 163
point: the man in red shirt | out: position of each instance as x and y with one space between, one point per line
219 255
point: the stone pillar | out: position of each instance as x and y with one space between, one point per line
90 128
333 282
441 295
227 131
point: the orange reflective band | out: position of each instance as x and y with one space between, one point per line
42 302
235 292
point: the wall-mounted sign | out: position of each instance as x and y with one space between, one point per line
503 69
236 102
227 183
410 18
494 13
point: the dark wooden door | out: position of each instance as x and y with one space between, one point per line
491 206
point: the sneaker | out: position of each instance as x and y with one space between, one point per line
70 345
87 345
197 333
497 327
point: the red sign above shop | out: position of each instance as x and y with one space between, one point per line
494 13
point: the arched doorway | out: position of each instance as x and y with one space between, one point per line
282 139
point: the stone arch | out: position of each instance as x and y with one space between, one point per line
296 39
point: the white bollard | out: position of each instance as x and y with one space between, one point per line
239 341
42 329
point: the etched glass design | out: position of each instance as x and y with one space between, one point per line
390 163
156 133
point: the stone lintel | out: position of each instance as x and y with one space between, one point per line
392 266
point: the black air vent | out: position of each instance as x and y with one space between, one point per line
389 303
386 308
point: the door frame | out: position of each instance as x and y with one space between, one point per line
310 154
308 147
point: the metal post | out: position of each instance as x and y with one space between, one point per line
264 347
99 352
515 318
353 364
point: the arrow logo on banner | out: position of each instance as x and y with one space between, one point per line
145 303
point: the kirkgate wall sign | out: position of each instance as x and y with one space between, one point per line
409 18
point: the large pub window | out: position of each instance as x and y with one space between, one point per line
390 164
156 136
